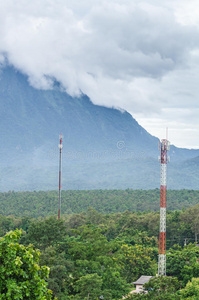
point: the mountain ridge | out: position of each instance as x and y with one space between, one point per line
103 147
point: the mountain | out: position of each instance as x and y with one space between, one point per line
33 118
103 147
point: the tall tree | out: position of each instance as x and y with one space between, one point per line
136 261
191 216
46 232
183 262
21 277
89 286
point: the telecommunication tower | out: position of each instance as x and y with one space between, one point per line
164 146
60 154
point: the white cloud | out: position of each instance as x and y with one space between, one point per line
138 55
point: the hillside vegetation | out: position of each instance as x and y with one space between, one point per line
36 204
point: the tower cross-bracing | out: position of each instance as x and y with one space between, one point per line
165 146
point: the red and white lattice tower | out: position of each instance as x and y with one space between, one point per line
165 146
60 154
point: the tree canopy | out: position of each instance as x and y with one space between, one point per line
93 254
42 203
21 277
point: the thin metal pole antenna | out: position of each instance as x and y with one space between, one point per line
165 146
60 154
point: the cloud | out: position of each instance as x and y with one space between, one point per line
138 55
114 39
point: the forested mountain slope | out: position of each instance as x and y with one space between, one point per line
36 204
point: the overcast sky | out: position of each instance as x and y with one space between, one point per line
141 56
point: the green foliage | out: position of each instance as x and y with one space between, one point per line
160 287
60 279
136 261
183 263
45 232
21 277
89 286
42 204
191 290
111 249
92 253
190 216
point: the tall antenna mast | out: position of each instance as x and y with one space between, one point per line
60 154
165 146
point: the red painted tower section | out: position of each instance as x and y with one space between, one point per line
60 156
165 146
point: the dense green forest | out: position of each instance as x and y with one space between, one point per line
94 255
36 204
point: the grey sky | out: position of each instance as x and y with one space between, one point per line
141 56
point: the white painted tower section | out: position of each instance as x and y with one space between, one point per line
165 146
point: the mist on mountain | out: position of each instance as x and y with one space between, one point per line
103 147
